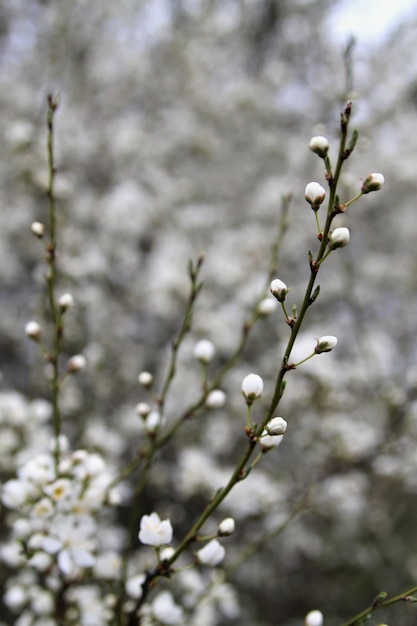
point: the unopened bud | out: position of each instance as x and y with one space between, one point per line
314 194
143 409
66 301
278 289
204 350
325 344
314 618
252 387
339 238
374 182
319 145
276 426
38 229
145 379
215 399
33 330
76 363
267 306
226 527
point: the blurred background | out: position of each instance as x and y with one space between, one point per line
181 125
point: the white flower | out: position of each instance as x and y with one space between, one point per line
373 182
212 553
76 363
226 527
33 330
204 350
153 531
252 387
325 344
314 194
15 597
276 426
319 145
278 289
14 493
145 379
72 538
215 399
339 238
314 618
166 611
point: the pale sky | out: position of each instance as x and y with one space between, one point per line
370 20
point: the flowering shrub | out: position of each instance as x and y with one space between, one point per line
74 561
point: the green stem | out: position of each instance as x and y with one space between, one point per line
380 604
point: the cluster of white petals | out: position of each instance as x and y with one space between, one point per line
56 511
154 531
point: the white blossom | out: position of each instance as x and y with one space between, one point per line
155 532
211 554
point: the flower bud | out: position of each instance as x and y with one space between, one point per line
143 409
374 182
325 344
339 238
215 399
145 379
204 350
252 387
319 145
226 527
267 441
66 301
278 289
314 194
38 229
276 426
314 618
33 330
212 553
76 363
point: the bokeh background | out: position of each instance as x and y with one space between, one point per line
181 125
